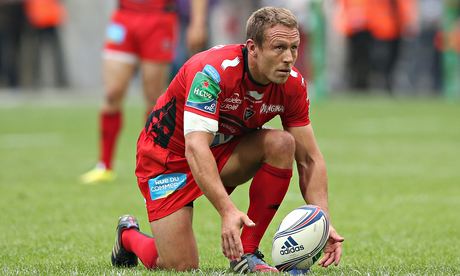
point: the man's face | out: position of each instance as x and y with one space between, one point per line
274 60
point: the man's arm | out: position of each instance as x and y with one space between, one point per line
311 167
197 30
206 174
313 185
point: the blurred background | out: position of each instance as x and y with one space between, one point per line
389 47
385 78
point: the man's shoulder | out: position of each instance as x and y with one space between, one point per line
220 62
222 55
224 50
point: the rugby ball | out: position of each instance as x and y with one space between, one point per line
300 238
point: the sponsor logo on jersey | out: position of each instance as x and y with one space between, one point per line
212 72
271 108
232 63
231 103
116 33
235 98
248 112
228 106
290 246
203 93
165 184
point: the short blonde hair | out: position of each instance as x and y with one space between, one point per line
265 18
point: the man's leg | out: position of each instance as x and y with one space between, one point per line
117 75
154 79
268 156
171 233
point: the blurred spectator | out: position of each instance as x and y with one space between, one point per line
45 17
183 50
141 35
448 41
227 21
449 38
11 27
374 29
426 69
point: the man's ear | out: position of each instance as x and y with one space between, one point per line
251 46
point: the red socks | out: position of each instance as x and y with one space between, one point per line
141 245
110 126
267 190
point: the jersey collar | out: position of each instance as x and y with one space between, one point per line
246 68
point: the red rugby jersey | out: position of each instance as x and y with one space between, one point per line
147 5
216 84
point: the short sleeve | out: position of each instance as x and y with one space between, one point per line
202 91
298 112
201 99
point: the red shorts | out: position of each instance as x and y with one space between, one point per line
148 36
165 179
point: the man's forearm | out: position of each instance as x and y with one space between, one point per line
313 184
204 170
198 12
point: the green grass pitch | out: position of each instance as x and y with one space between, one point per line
394 182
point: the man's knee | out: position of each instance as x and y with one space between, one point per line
176 243
114 95
280 144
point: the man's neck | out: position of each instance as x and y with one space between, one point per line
250 67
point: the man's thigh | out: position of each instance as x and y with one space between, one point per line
262 146
175 240
246 158
117 74
154 79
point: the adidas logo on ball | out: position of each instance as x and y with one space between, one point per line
300 238
290 246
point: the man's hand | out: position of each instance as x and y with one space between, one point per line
231 225
197 31
197 35
333 249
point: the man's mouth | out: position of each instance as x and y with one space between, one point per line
285 71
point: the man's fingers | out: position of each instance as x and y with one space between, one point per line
332 247
248 222
324 258
337 237
238 247
225 247
338 254
232 246
330 260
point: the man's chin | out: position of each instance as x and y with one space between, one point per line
279 80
